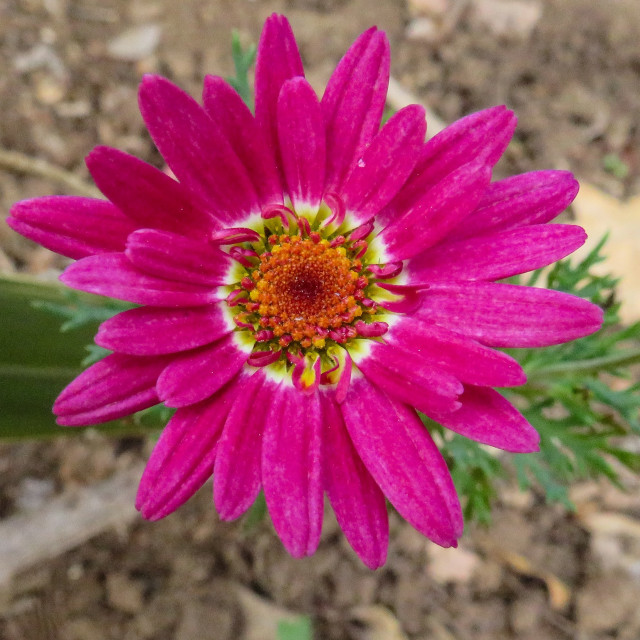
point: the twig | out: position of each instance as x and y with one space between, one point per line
398 97
66 522
21 163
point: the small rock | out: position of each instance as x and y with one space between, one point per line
75 572
424 29
488 578
41 56
6 264
158 616
84 462
124 594
373 622
526 612
33 493
452 565
136 43
517 499
82 629
49 90
509 18
144 11
201 615
606 603
74 109
420 8
56 8
182 64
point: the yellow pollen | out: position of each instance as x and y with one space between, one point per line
303 285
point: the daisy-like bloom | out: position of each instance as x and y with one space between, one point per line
307 283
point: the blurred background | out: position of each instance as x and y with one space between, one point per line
89 568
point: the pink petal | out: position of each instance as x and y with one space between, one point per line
487 417
182 460
72 226
302 142
399 453
148 331
112 388
481 137
386 164
353 103
227 109
506 315
409 378
166 255
277 61
197 375
197 152
292 469
111 274
439 210
144 194
531 198
462 357
497 255
357 500
237 471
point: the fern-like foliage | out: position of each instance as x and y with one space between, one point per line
579 396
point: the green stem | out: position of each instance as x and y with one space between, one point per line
591 365
38 372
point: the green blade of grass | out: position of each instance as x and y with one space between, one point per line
37 361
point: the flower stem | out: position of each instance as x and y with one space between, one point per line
589 365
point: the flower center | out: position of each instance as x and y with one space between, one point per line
303 290
306 289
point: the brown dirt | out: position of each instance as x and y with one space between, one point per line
573 81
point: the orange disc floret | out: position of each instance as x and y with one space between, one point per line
303 287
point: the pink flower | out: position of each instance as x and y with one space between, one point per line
308 282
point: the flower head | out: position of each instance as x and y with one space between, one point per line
306 283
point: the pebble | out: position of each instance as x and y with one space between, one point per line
429 7
50 91
452 565
135 43
41 56
424 29
74 109
82 629
488 578
201 616
509 18
33 493
6 264
607 602
125 594
526 612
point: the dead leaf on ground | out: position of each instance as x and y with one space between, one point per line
612 524
559 592
261 617
509 18
458 566
600 213
374 623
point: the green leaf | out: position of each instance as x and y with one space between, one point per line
580 396
256 513
37 361
299 629
243 59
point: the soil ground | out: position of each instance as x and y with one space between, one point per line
70 70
